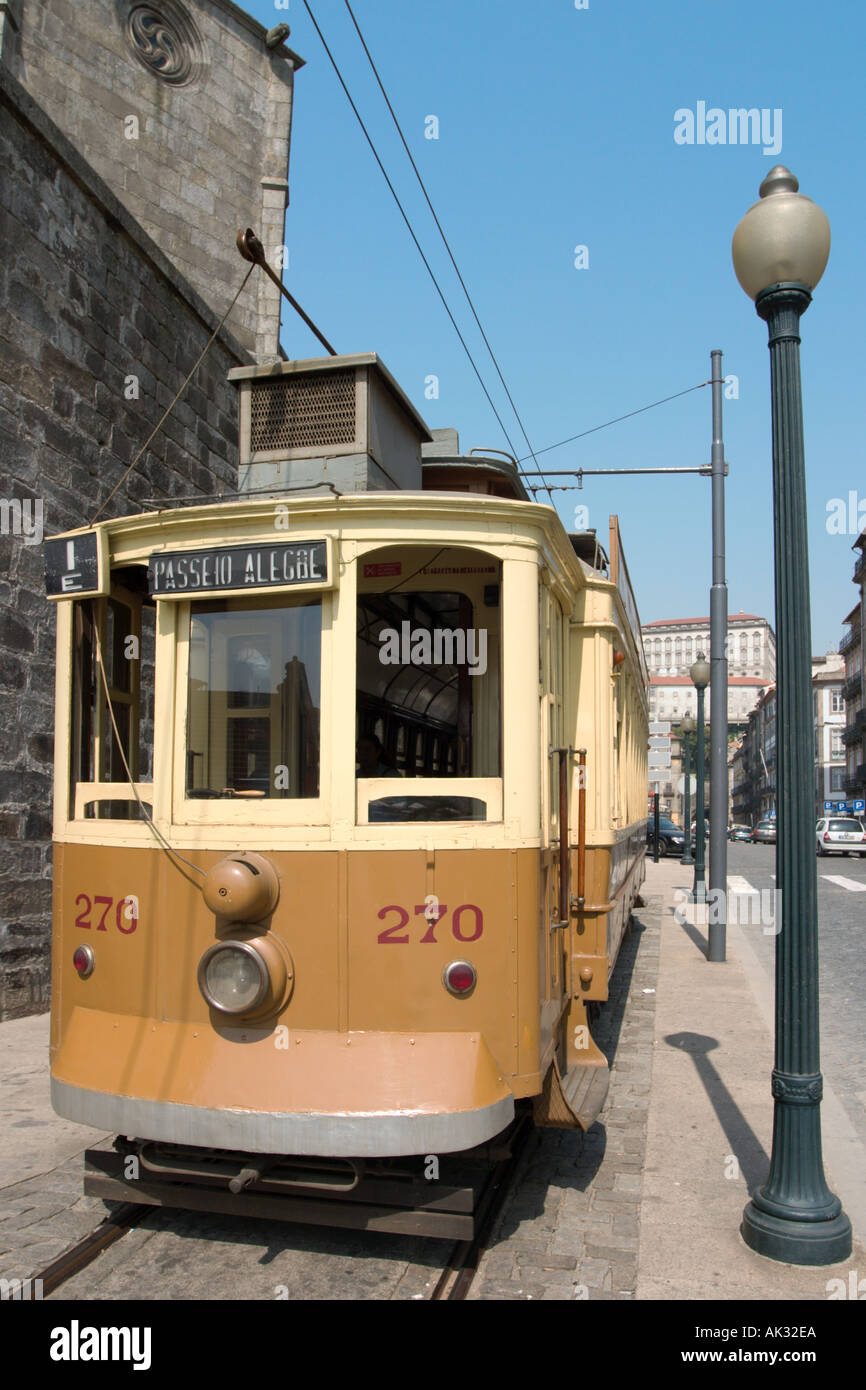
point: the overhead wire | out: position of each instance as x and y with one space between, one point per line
409 226
664 400
441 231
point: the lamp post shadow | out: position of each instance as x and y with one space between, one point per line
692 932
744 1143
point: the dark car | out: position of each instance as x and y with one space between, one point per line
671 837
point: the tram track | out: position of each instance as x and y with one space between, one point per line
452 1285
459 1273
83 1253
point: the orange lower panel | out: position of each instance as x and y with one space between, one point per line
282 1091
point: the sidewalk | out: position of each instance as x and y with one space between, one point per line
648 1204
42 1209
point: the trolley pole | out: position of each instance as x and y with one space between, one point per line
718 916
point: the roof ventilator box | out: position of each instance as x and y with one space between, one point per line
338 420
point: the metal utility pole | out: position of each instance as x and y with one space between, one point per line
700 674
718 684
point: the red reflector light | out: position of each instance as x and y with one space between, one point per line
83 960
459 977
826 836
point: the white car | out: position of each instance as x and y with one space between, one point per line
840 835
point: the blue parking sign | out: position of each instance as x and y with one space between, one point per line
860 805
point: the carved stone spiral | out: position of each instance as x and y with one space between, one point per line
164 39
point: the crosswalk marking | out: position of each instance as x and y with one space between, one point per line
738 884
742 886
850 883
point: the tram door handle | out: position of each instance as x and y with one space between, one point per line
564 866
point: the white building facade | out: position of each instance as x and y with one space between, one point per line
828 705
672 645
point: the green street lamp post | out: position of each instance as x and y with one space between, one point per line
700 677
687 728
780 249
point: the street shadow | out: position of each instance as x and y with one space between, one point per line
744 1144
691 929
695 935
607 1027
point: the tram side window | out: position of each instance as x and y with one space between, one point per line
254 699
428 682
111 725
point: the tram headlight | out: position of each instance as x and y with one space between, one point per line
233 977
240 977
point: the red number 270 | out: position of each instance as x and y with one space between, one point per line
467 923
125 912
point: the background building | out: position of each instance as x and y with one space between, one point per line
127 162
753 760
851 648
672 645
828 702
753 769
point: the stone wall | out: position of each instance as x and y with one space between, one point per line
91 312
184 111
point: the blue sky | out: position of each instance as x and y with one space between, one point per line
556 130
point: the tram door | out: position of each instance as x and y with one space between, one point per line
553 941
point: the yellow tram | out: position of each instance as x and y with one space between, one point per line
350 796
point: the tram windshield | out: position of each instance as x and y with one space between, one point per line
254 699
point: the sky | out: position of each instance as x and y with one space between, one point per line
555 131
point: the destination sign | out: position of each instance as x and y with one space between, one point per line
175 574
75 565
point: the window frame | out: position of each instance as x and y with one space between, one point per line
89 792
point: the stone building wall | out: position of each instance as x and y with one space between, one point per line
91 312
185 112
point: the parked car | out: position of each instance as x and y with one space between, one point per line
671 838
764 833
840 835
